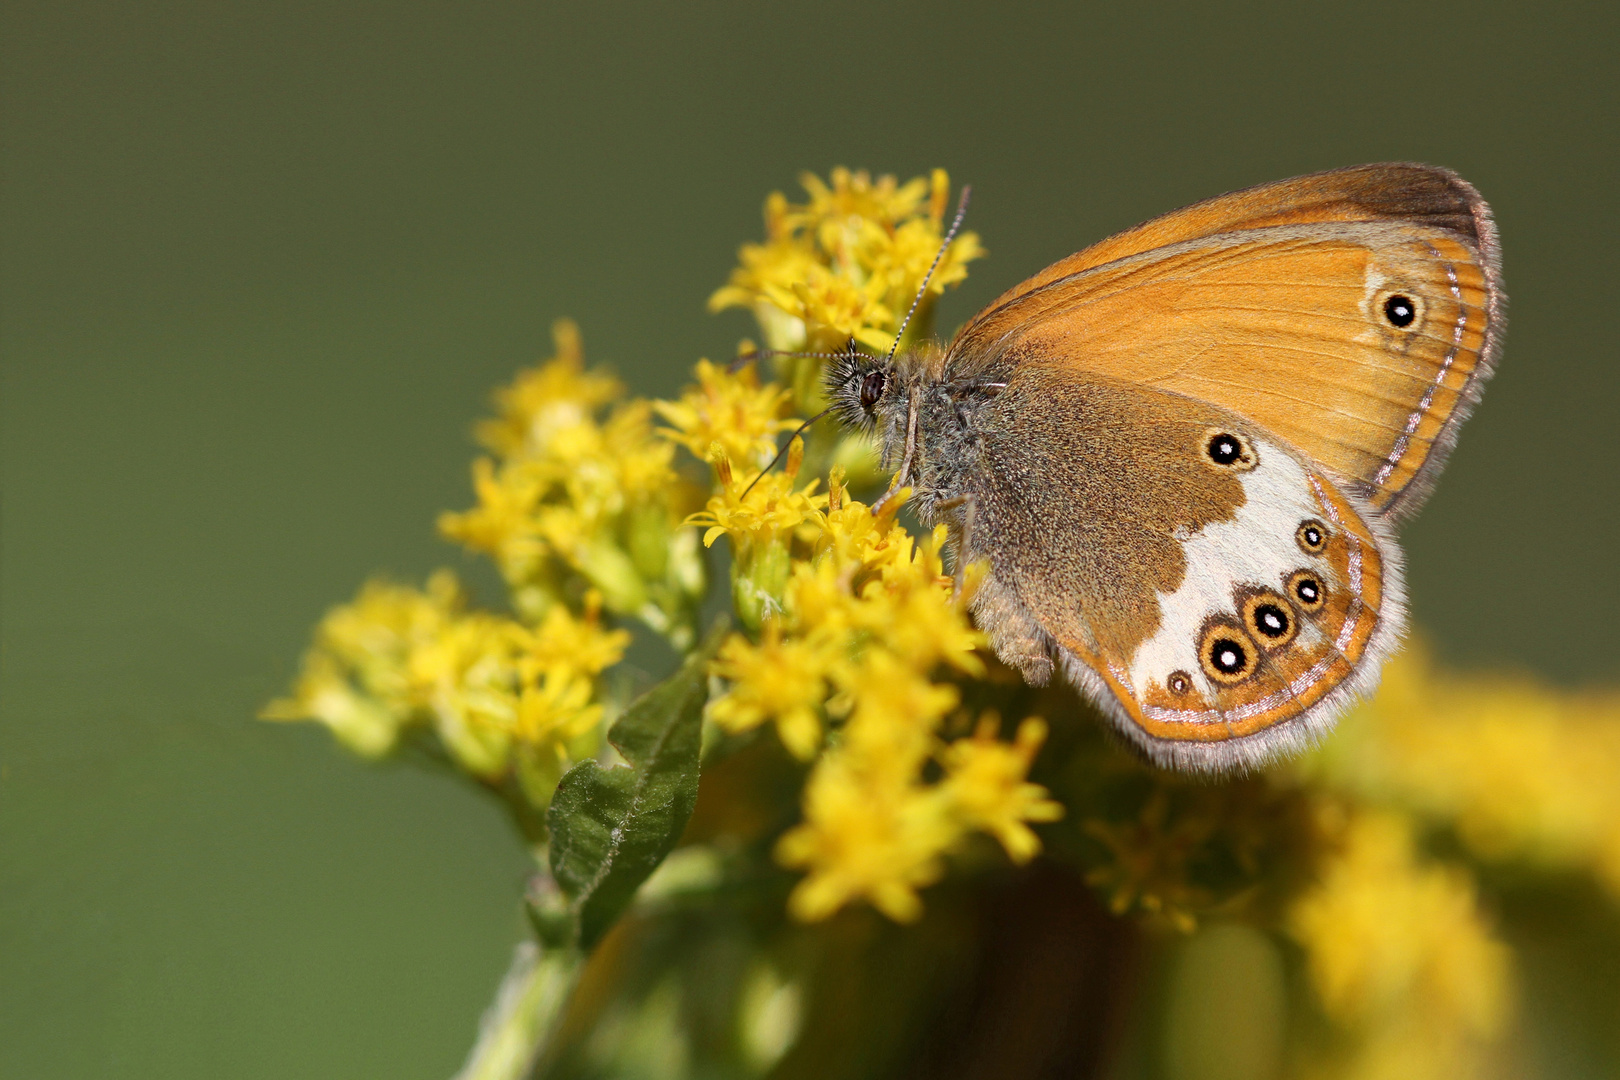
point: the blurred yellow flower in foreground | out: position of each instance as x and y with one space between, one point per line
1398 953
1520 772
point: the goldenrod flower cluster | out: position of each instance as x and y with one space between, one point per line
1400 956
503 697
1518 772
846 264
581 485
849 642
580 508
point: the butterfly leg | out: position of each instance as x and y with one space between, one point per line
964 531
906 459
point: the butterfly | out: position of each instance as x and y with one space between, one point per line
1181 452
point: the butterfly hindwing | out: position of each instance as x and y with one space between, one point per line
1214 592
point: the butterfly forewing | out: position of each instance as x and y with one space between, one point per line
1352 320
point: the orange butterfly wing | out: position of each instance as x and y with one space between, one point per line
1271 302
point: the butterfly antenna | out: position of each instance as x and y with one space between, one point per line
785 446
961 212
767 354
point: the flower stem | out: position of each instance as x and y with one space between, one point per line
519 1022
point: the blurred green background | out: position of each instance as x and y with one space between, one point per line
262 265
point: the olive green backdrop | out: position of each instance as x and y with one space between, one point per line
262 265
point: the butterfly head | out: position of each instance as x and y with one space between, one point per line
860 387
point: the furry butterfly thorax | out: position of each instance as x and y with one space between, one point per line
1181 451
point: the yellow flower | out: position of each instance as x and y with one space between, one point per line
640 458
553 714
783 681
579 494
555 710
852 533
761 518
324 693
770 511
1396 947
902 259
729 409
834 309
1519 770
864 840
855 617
568 645
469 674
558 394
986 781
893 712
848 263
924 620
856 195
503 525
356 677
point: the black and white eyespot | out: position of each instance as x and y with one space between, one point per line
1269 619
1228 450
1227 654
1179 683
1312 536
1306 590
1400 310
1396 307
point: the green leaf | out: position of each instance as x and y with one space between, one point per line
610 828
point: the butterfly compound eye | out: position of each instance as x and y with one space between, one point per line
872 388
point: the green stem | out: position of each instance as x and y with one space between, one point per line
520 1021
